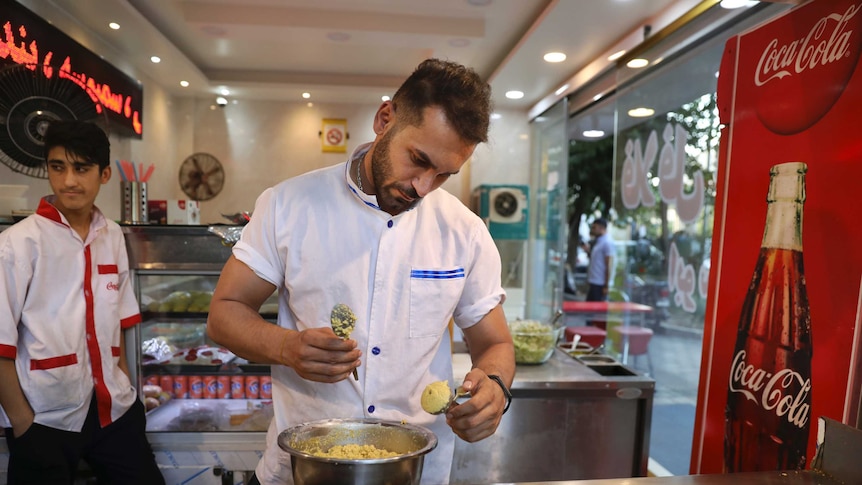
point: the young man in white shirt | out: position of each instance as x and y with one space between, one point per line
65 299
375 234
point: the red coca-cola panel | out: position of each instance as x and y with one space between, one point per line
789 90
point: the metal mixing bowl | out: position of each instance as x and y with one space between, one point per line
411 442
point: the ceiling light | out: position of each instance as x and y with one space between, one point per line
637 63
641 112
184 84
156 59
224 91
616 55
514 94
554 57
306 95
594 133
114 26
561 89
310 104
737 3
385 98
221 101
496 116
597 97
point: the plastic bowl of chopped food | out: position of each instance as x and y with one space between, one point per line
356 451
534 341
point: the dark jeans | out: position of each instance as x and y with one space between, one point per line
596 293
253 480
118 454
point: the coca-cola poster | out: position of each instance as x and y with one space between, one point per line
781 333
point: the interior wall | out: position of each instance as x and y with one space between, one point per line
259 142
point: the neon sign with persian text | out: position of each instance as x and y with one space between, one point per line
23 33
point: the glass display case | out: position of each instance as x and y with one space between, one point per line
189 383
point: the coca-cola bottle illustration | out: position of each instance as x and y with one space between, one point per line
769 394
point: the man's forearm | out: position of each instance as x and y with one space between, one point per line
12 398
497 359
242 330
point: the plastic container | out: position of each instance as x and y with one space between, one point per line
534 341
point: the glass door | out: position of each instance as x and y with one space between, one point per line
548 232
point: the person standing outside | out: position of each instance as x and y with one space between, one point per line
599 272
65 299
375 234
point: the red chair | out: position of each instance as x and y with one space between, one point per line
632 340
594 336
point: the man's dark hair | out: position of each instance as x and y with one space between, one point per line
80 139
458 90
601 221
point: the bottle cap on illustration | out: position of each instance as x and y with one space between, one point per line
787 182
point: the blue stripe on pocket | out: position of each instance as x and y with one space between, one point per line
430 274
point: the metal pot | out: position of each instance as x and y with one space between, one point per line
410 441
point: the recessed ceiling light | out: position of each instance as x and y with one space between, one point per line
637 63
156 59
184 84
114 26
554 57
641 112
385 98
310 104
224 91
560 90
594 133
737 3
514 94
616 55
496 116
306 95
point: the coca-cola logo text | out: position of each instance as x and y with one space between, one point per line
807 53
799 79
772 391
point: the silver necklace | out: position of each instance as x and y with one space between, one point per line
359 175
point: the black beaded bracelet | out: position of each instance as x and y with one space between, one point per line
506 391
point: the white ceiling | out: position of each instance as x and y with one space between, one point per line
357 51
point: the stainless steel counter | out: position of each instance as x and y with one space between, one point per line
756 478
567 422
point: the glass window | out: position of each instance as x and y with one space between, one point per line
644 157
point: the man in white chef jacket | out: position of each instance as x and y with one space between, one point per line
65 299
374 234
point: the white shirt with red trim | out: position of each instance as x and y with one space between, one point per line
322 241
63 305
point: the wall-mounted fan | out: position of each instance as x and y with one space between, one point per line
201 176
29 101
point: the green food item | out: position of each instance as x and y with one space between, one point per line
534 341
343 320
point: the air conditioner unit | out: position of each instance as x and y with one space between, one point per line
504 209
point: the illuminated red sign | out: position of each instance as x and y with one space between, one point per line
26 38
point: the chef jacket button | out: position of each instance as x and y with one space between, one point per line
96 380
88 336
371 409
375 350
390 223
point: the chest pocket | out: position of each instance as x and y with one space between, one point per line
434 293
106 285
